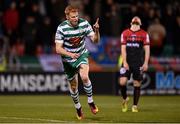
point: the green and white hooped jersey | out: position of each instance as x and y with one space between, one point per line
73 38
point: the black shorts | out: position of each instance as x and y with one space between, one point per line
135 71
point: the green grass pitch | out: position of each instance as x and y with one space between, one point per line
59 109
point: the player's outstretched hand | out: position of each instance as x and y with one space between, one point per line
96 25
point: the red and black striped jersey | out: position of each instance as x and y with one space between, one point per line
134 41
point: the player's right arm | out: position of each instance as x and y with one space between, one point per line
123 52
93 35
96 37
62 51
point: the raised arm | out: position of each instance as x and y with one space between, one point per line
96 37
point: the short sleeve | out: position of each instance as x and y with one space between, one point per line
146 40
123 39
89 30
59 34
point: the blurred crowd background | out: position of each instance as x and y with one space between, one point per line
27 27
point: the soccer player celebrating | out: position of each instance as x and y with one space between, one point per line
70 43
135 51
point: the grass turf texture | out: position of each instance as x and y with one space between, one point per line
59 109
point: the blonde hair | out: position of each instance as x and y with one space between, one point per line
70 9
136 20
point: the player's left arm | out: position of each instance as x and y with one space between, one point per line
96 35
147 56
147 53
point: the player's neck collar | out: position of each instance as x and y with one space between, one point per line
71 24
135 30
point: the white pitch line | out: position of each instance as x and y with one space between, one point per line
33 119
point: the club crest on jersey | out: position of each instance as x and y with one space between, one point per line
81 30
122 70
133 38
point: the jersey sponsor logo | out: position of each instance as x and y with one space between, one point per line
133 45
75 41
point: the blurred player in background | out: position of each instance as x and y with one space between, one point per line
135 52
70 43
